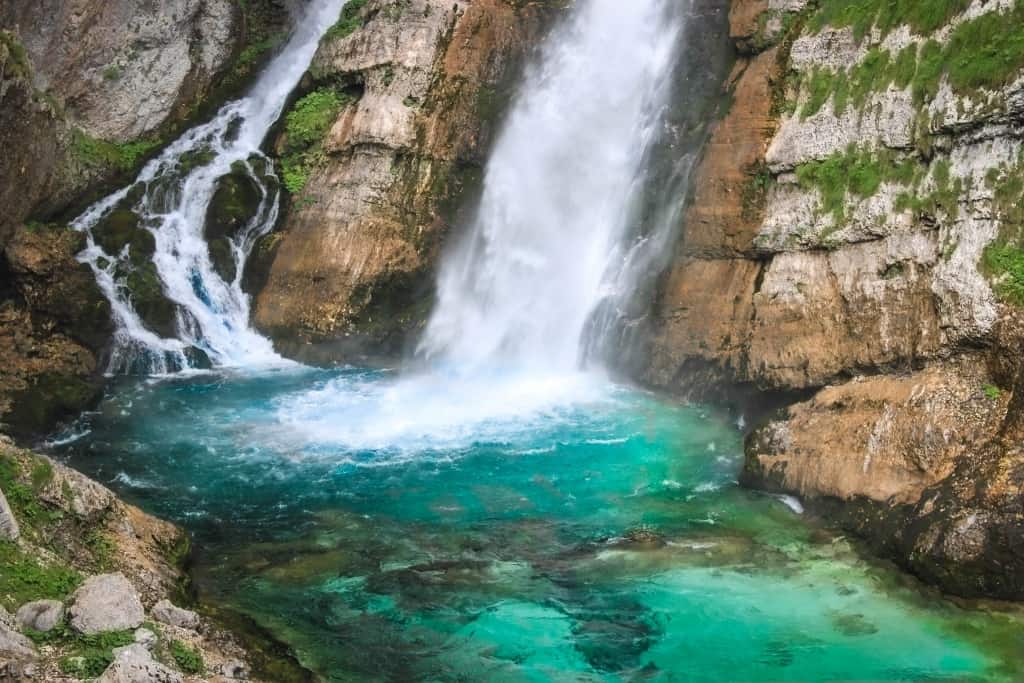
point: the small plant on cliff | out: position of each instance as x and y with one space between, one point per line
349 22
23 578
1005 263
97 153
305 127
188 659
992 392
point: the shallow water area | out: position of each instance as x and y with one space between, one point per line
540 528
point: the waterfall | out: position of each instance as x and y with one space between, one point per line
555 237
208 309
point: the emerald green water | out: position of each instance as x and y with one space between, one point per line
560 529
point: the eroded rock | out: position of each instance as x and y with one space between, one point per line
9 529
168 613
107 602
135 664
41 615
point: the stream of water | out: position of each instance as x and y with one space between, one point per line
504 512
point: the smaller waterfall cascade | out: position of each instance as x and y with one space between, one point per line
553 238
170 198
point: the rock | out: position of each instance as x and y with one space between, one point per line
167 613
145 637
14 645
41 615
235 670
107 602
135 664
9 529
73 492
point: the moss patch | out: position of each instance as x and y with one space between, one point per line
306 125
95 153
23 578
350 21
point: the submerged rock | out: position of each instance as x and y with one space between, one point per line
41 615
107 602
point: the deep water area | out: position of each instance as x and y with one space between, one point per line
561 528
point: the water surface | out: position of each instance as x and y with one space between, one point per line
551 529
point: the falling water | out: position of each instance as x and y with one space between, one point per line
171 199
553 236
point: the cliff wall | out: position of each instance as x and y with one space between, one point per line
855 241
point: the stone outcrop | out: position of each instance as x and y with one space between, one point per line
9 528
107 602
40 615
352 268
135 664
850 253
168 613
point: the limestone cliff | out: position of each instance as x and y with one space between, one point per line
855 240
413 89
88 90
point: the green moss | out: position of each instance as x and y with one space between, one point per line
147 295
95 153
349 22
858 172
88 655
306 125
1005 263
23 578
18 63
102 547
188 659
992 392
42 474
922 16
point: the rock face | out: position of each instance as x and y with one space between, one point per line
134 664
167 613
40 615
87 90
854 246
107 602
352 267
9 529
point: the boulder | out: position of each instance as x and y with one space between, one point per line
143 636
167 613
9 529
13 645
134 664
40 615
107 602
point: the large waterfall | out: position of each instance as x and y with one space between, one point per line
553 237
170 197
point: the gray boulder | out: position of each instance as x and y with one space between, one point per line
134 664
9 529
107 602
41 615
13 645
167 613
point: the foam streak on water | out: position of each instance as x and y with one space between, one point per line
172 201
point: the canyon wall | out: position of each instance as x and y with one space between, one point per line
854 251
417 89
87 91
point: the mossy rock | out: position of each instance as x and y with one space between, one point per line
223 258
197 358
157 312
49 398
257 266
121 228
190 161
234 203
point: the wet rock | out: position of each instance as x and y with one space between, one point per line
234 203
168 613
9 529
222 256
197 358
41 615
135 664
107 602
122 228
151 304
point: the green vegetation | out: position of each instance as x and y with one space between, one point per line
188 659
859 172
922 16
1005 263
985 52
87 656
21 496
349 22
18 63
96 153
992 392
305 127
23 578
755 190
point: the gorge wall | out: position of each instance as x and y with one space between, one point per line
87 91
854 250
